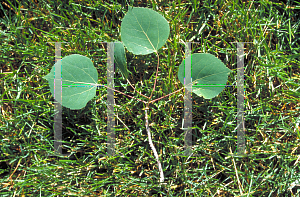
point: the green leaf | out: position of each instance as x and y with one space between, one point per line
144 31
209 75
120 58
79 81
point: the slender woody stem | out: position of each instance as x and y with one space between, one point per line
136 90
149 132
155 76
123 93
153 148
146 117
165 96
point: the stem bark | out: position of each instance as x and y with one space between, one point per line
153 149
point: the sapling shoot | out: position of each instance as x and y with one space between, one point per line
143 31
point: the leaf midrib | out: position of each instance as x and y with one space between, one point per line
144 31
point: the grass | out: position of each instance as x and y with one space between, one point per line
271 102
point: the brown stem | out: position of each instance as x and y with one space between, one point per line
165 96
155 76
136 90
123 93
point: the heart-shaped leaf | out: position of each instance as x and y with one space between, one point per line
144 31
79 81
120 58
209 75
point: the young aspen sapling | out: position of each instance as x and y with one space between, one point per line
143 31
